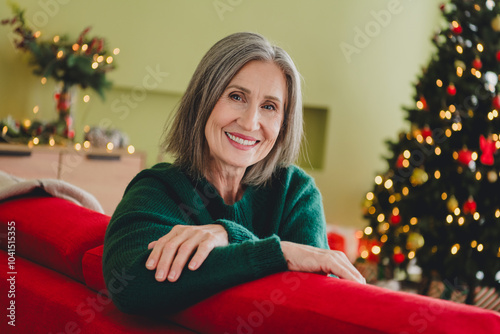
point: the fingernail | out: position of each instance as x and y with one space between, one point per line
171 276
160 275
192 265
150 263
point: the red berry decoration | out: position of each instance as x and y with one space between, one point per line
496 102
457 30
424 103
464 156
395 219
451 89
498 55
398 258
426 132
477 64
488 148
399 161
470 206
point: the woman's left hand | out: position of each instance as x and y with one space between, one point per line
172 251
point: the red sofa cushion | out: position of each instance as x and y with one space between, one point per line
92 270
53 232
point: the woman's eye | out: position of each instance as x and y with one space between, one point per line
235 97
269 107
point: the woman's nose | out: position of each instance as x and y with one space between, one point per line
249 119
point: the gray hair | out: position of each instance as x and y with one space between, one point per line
185 138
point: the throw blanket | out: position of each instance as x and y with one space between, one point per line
11 186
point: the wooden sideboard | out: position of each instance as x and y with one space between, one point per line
105 174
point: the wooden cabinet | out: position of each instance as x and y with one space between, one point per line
104 174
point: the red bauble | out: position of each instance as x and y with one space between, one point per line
399 161
498 55
451 90
457 30
398 258
426 132
395 219
496 102
469 206
488 148
477 64
464 156
424 103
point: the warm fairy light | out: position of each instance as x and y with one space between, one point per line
358 234
478 176
455 127
56 39
86 128
455 155
397 249
364 254
27 123
473 71
437 175
456 211
449 219
460 71
376 250
490 116
392 199
444 196
480 247
130 149
461 221
477 7
110 146
86 144
405 191
36 109
494 137
497 145
420 105
495 113
452 108
480 47
116 51
52 142
460 49
447 114
37 34
86 98
100 59
388 184
43 80
60 54
4 130
383 238
439 83
368 230
370 196
419 138
413 221
437 150
478 74
75 47
380 218
378 179
78 146
36 141
385 226
85 47
109 60
95 65
406 163
406 229
395 211
411 255
473 244
447 133
434 249
372 210
455 249
476 216
429 140
497 213
406 154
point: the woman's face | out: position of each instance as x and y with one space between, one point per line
246 121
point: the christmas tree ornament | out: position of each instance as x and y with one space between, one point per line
452 203
491 80
461 64
423 103
418 177
464 156
496 102
498 55
477 64
473 27
495 23
426 132
399 161
395 219
469 206
490 4
451 89
492 176
414 241
398 258
456 28
488 148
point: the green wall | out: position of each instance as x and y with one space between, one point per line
359 60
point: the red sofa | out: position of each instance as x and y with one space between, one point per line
51 259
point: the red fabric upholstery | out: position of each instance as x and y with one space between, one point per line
92 269
336 241
53 232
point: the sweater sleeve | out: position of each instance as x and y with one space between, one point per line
145 214
303 218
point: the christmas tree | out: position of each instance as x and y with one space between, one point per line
439 200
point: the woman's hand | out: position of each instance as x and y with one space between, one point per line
172 251
316 260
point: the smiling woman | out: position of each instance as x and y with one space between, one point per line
232 207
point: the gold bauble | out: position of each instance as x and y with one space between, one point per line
418 177
495 23
414 241
452 204
492 176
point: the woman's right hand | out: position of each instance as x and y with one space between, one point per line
316 260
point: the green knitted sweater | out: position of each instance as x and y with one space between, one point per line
289 209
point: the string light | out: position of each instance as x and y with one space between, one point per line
376 250
85 47
52 142
480 47
449 219
480 247
388 184
478 175
413 221
37 34
78 146
60 54
460 71
444 196
368 230
455 249
437 174
383 238
86 98
109 60
447 133
405 191
434 249
380 218
4 130
437 150
459 49
35 109
461 221
75 47
378 179
452 108
95 65
411 255
476 216
406 229
36 140
86 144
364 254
372 210
110 146
100 59
56 39
406 163
497 213
43 80
456 211
439 83
420 105
473 244
370 196
131 150
116 51
406 154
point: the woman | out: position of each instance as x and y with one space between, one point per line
231 208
